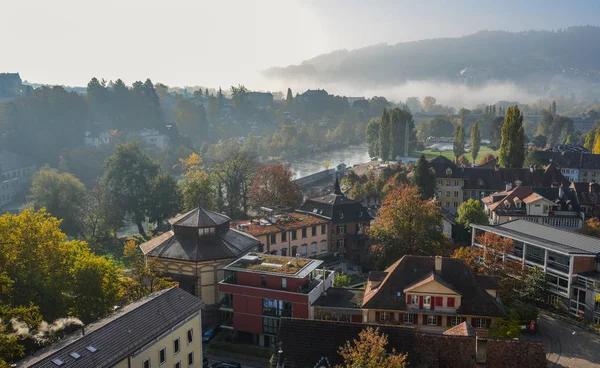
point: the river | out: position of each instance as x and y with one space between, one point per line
313 163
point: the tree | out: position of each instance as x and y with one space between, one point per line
166 199
62 195
289 99
540 141
129 179
274 186
384 136
424 178
197 185
505 329
471 212
512 148
459 141
372 135
596 147
407 224
370 351
534 288
591 227
496 132
488 157
428 103
441 127
589 140
342 280
475 140
235 174
101 216
553 107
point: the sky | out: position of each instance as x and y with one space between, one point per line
228 42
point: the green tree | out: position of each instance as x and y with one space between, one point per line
101 216
540 141
166 199
496 132
342 280
62 195
370 351
372 135
197 185
424 178
235 174
384 136
512 148
505 328
129 180
475 140
441 127
471 212
589 140
459 141
289 99
533 288
596 147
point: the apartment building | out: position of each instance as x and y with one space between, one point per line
259 289
160 330
571 262
450 180
16 173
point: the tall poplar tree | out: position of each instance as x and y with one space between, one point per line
596 147
475 140
289 98
459 142
384 136
589 140
512 147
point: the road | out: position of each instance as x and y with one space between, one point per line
245 363
567 345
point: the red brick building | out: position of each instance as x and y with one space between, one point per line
259 289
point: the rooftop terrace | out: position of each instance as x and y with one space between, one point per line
276 265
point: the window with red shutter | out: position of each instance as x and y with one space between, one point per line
377 316
420 302
450 301
439 320
439 301
407 299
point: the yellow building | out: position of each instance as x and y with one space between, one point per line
197 248
160 330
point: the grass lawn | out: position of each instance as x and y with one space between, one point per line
484 150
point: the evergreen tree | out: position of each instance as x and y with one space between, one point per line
396 133
290 98
384 136
459 141
475 140
424 178
512 147
494 111
206 93
553 107
589 140
372 135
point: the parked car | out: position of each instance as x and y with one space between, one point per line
227 364
208 335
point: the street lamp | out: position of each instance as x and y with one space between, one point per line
279 352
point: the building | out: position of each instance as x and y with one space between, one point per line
259 289
161 329
577 166
548 206
11 86
450 183
434 293
316 343
571 262
339 304
16 173
289 235
194 253
347 220
153 137
260 100
95 140
588 197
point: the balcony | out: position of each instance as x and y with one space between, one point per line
558 266
315 286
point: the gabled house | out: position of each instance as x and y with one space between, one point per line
432 292
588 197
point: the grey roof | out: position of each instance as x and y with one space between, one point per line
11 161
121 333
200 217
545 236
337 297
222 245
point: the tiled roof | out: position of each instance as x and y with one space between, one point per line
200 217
337 208
296 221
306 342
121 333
488 282
410 269
340 298
433 276
546 236
154 242
462 329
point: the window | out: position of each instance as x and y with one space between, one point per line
283 236
439 182
284 252
270 325
176 346
447 204
479 322
408 318
455 182
340 243
294 234
206 231
314 231
263 280
162 356
273 238
191 359
313 247
323 229
415 299
341 215
177 365
384 316
448 182
277 308
323 246
432 320
455 204
545 208
274 252
455 321
283 283
448 172
190 335
439 193
304 249
294 251
146 363
426 301
303 232
456 193
447 193
341 229
439 301
450 302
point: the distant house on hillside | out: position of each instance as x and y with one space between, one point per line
15 175
260 100
11 86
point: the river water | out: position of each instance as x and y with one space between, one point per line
313 163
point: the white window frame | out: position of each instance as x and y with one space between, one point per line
426 301
189 341
175 352
149 360
340 229
479 323
455 321
432 317
415 300
384 316
283 283
159 361
408 318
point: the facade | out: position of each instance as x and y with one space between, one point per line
259 289
154 137
347 221
290 235
588 197
16 173
92 140
434 293
260 100
571 262
339 304
548 206
197 249
578 166
450 183
162 329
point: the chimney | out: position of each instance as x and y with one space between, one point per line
480 350
438 264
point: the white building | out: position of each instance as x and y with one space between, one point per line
91 140
15 175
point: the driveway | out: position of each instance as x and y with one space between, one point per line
567 345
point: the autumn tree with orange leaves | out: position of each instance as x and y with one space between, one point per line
274 186
406 224
369 351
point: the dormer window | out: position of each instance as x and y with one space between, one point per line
448 171
341 215
507 204
206 231
518 183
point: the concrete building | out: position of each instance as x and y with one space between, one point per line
259 289
289 235
160 330
197 249
571 262
16 173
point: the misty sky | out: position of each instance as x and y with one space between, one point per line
221 42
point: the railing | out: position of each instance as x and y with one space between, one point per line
534 259
558 266
321 287
587 282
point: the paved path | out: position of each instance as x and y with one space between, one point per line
245 363
567 345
